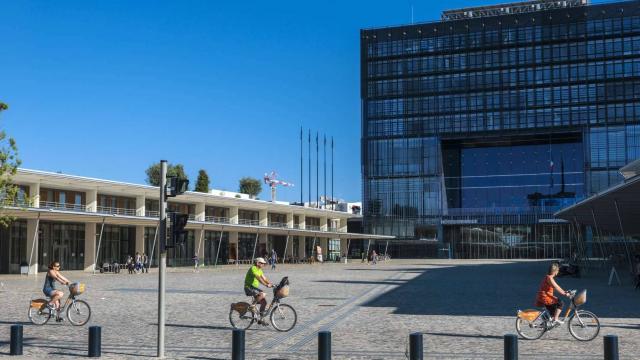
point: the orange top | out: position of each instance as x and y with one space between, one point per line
545 293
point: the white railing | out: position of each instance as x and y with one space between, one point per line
116 211
217 219
298 226
278 224
248 222
152 213
313 227
62 206
332 229
192 217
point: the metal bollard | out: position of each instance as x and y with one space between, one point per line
510 347
415 346
324 345
16 340
95 341
611 347
237 345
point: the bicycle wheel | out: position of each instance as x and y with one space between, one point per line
283 317
584 325
39 316
79 313
531 330
239 320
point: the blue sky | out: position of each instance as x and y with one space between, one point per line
106 88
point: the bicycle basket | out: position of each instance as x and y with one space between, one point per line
240 307
38 303
528 314
282 292
580 298
76 288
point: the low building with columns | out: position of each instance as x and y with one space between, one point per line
86 222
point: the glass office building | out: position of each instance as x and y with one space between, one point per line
478 127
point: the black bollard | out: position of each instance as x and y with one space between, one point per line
324 345
16 340
415 346
611 347
510 347
95 341
237 345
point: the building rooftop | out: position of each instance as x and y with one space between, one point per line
510 8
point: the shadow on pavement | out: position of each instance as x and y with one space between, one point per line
496 289
464 335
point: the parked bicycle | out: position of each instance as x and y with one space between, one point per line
283 317
78 311
583 325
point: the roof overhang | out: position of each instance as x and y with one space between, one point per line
122 220
615 210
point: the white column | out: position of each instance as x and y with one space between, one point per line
92 200
199 244
343 225
200 211
233 217
344 243
140 239
323 224
140 205
90 243
264 218
34 194
290 220
303 219
233 242
32 246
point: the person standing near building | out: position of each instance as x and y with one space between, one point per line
145 263
319 253
274 259
374 257
195 262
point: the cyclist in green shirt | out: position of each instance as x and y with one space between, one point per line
252 281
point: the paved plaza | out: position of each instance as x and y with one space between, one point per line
462 307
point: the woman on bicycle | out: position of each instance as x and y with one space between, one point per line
545 295
49 288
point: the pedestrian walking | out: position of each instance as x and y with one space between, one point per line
130 264
145 263
195 262
374 257
274 259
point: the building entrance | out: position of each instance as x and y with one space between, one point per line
62 242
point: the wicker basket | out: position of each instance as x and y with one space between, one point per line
38 303
240 307
76 288
283 292
528 314
580 298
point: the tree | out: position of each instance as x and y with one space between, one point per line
250 186
9 164
202 184
153 173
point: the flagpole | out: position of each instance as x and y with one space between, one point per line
309 167
301 170
333 203
325 171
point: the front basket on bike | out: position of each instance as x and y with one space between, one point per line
38 303
580 298
528 314
283 292
76 288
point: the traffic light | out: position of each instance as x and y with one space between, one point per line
177 233
176 186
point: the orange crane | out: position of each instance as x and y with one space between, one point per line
273 182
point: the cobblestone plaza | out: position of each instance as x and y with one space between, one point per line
463 307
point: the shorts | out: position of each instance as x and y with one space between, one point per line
48 291
251 291
553 307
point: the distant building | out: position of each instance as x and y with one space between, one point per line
478 127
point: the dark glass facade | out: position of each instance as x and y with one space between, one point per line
476 131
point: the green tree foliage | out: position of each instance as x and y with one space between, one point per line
250 186
202 184
153 173
9 164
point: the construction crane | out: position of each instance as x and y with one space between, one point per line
273 182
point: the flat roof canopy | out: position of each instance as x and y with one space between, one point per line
601 210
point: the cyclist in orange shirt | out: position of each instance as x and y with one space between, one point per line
545 295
